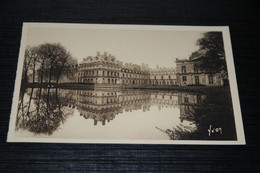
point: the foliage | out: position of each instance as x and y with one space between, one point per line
211 53
43 112
215 110
47 62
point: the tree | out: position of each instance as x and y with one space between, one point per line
52 54
47 62
215 110
30 61
43 113
211 53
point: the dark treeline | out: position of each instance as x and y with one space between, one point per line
48 63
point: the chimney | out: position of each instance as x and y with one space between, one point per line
98 53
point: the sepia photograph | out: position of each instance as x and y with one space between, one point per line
133 84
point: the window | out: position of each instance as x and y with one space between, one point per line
169 77
186 99
184 78
196 68
183 69
198 99
162 77
211 79
197 80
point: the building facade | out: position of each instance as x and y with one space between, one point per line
188 73
106 70
163 76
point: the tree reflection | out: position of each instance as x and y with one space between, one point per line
41 111
214 111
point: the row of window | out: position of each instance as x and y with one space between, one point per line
107 73
87 93
133 75
197 81
186 99
195 68
163 96
169 77
133 81
163 82
111 73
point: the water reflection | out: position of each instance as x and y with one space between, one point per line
42 111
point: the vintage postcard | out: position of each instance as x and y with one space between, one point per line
134 84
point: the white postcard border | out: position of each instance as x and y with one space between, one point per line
231 72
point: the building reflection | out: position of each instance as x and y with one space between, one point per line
187 103
104 105
43 110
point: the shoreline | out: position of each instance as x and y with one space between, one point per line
124 87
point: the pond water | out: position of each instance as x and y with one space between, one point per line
124 114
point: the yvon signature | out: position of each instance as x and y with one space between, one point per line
212 130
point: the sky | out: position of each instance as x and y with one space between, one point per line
153 47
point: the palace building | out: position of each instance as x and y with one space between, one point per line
106 70
188 73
